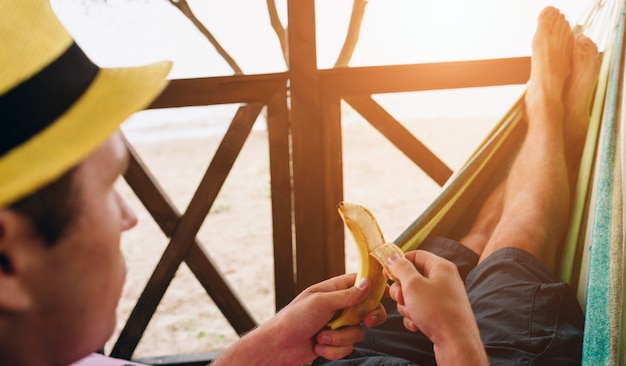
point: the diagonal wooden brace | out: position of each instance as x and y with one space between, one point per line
183 230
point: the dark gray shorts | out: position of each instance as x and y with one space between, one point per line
525 315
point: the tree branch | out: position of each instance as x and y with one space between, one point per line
352 36
184 8
279 30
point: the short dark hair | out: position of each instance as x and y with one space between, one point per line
51 209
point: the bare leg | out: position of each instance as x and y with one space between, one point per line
537 192
486 220
577 98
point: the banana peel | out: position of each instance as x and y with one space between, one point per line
373 252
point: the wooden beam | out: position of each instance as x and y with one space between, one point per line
402 138
220 90
282 203
316 171
427 76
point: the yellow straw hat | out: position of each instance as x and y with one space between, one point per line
56 106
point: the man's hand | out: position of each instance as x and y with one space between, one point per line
309 312
297 333
432 299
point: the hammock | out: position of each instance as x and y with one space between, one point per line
592 259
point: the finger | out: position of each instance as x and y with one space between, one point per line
386 274
402 311
342 298
333 284
395 292
332 352
424 261
340 337
410 255
401 268
336 344
406 318
375 317
409 325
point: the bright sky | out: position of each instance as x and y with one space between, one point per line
394 31
424 30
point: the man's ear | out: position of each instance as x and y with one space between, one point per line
15 244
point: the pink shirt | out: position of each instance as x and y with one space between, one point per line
96 359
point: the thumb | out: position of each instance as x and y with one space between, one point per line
359 291
400 268
343 298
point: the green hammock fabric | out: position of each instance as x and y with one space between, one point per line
603 300
592 259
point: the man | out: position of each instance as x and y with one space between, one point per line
499 303
61 270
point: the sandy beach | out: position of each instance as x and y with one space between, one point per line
237 233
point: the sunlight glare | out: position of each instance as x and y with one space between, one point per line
414 31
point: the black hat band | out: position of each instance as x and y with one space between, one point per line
34 104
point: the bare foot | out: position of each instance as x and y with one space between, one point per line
577 99
578 94
551 61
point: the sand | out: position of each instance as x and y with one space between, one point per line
237 233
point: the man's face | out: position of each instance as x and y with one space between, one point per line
80 279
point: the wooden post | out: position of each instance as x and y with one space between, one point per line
317 174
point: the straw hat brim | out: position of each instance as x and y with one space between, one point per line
112 97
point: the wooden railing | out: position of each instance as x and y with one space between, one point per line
304 132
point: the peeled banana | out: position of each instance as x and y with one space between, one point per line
372 251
